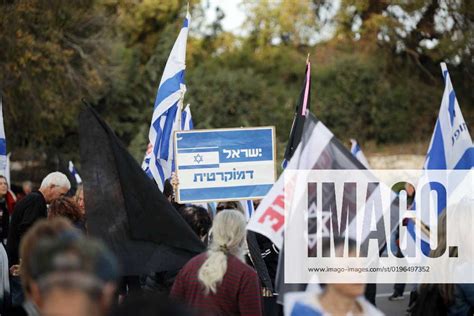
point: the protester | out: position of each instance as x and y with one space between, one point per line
26 188
434 299
79 198
5 206
7 203
462 293
32 208
169 189
27 211
197 218
450 299
218 281
73 276
146 304
43 228
229 205
4 281
263 256
10 198
399 288
336 299
66 207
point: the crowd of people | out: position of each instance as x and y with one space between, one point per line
50 265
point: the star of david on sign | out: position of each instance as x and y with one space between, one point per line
198 158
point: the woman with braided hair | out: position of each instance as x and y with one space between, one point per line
218 282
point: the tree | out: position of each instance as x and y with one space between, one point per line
55 53
290 22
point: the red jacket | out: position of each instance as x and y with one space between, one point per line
11 201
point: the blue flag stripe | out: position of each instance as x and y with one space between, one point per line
225 192
167 132
169 87
465 163
436 154
3 147
199 166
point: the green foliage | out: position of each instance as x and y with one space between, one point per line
364 98
54 53
288 21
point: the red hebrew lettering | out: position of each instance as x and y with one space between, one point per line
280 201
273 215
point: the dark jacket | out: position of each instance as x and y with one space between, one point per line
4 220
463 300
27 212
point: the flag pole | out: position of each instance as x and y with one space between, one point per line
179 113
180 109
183 90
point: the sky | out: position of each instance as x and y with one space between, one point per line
234 14
235 17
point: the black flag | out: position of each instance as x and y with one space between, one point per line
300 115
316 137
125 208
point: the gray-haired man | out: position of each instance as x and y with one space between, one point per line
27 211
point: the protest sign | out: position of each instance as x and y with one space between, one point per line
225 164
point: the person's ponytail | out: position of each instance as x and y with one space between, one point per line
228 234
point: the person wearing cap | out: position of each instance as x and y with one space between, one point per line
43 228
72 275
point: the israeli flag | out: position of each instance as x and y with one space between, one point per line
247 206
3 143
357 152
74 172
450 148
451 144
186 119
7 169
167 113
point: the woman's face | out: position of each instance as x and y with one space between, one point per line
3 187
80 201
349 290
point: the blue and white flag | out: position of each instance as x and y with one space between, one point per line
7 169
167 113
74 172
247 206
450 147
451 144
186 119
3 143
356 151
